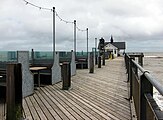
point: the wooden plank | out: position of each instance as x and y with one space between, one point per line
113 95
85 107
26 111
37 68
82 112
37 108
104 100
53 105
65 110
48 107
105 106
32 109
105 97
90 105
95 87
64 103
43 108
76 113
93 96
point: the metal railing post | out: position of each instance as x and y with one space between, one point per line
128 62
145 87
130 75
125 57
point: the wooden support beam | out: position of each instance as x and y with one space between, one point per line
91 63
99 62
66 76
14 92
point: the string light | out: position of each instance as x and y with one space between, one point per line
48 9
57 15
63 19
28 3
80 29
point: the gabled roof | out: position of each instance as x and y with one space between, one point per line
119 45
110 46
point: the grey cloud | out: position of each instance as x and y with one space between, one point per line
127 20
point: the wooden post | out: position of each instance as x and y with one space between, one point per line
103 58
66 76
96 51
130 76
145 87
99 62
96 59
14 92
140 59
91 63
32 56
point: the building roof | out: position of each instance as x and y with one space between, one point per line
110 46
119 45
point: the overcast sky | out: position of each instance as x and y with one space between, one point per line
137 22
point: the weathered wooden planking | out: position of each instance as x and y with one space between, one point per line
61 105
108 107
86 110
58 113
93 88
47 109
78 109
27 112
93 96
111 94
64 104
104 99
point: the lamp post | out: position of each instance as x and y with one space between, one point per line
96 51
53 32
75 37
87 42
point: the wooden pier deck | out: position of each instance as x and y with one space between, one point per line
97 96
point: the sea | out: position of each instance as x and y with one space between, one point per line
153 62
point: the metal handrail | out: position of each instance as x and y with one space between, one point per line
139 67
140 87
152 80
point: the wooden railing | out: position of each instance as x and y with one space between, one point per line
141 88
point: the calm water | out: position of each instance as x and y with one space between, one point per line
153 62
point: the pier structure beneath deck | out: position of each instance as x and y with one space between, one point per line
98 96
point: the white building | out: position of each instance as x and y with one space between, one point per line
111 47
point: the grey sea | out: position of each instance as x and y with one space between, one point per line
153 62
